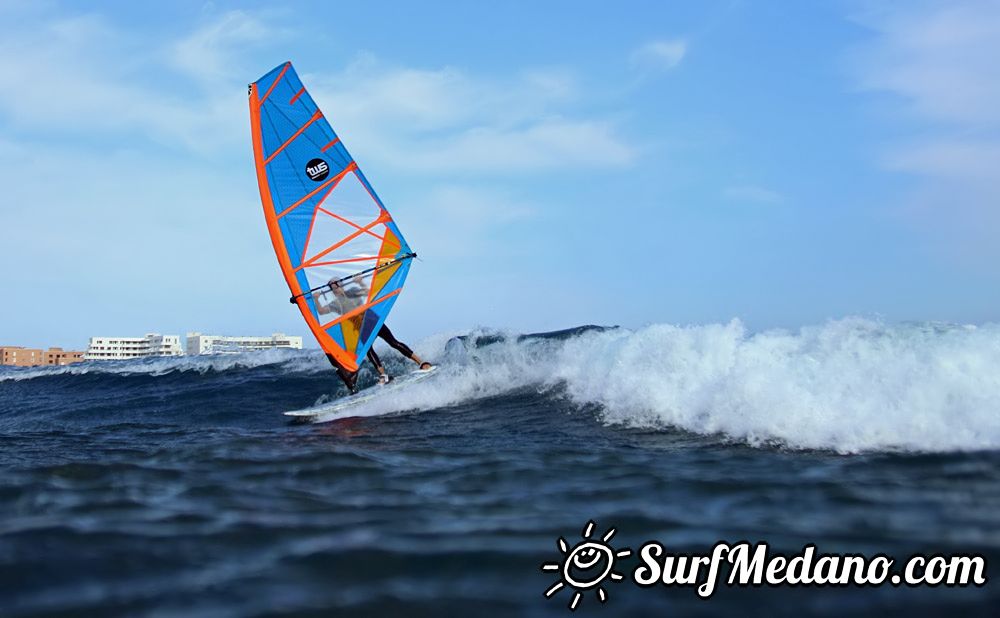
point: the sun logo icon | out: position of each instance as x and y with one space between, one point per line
586 565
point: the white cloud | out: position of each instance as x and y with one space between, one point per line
132 241
88 77
82 76
110 207
752 193
442 98
964 160
212 52
546 144
940 58
660 55
940 62
126 159
464 221
555 84
446 121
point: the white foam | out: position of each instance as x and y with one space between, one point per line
848 385
290 360
464 375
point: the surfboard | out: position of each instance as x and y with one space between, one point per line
343 407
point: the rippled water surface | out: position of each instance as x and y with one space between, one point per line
176 488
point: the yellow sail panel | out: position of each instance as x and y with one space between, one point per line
329 230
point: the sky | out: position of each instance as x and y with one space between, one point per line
553 163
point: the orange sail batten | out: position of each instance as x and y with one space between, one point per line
338 248
322 337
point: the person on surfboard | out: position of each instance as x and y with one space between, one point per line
386 335
340 297
347 297
350 379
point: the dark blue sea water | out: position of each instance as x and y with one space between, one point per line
175 487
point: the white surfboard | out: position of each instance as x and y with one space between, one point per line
341 407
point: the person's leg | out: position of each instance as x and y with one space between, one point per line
350 379
383 377
386 335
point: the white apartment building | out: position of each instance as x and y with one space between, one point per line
119 348
219 344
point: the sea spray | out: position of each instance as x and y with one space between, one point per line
849 385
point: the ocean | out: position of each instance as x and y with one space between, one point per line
175 487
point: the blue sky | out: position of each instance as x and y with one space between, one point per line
552 163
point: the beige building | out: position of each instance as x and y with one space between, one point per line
59 356
18 356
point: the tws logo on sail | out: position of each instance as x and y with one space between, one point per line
317 170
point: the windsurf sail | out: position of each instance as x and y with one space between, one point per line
341 253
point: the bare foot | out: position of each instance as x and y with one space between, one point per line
425 365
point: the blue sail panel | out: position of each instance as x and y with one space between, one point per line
341 253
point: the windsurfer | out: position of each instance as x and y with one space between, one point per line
386 335
350 379
346 296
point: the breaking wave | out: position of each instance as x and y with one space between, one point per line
849 385
288 360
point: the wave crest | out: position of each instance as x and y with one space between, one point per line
848 385
288 360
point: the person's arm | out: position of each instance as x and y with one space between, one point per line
321 308
359 289
356 291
